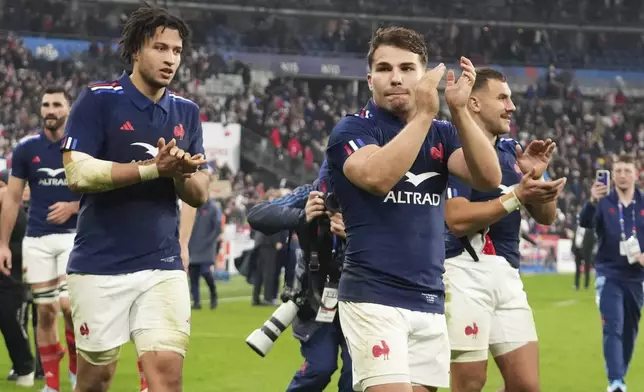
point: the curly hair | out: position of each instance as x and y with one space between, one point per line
142 25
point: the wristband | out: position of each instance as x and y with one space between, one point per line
512 204
148 172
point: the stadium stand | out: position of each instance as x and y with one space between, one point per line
286 109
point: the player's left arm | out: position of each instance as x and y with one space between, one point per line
474 159
193 189
187 216
476 162
543 214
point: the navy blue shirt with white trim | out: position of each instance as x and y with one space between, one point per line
395 243
136 227
504 234
605 219
39 161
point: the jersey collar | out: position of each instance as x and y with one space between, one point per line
638 197
48 141
373 110
141 101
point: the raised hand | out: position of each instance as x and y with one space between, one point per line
597 192
426 95
537 155
457 92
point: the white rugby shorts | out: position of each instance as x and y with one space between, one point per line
395 345
45 258
108 309
485 303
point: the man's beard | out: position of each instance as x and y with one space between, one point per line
54 125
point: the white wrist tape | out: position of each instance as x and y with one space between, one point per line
149 172
512 204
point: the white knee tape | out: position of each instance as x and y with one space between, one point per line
149 340
63 291
504 348
101 358
469 356
45 295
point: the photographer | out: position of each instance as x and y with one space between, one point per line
312 215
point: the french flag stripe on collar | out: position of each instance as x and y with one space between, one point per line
353 146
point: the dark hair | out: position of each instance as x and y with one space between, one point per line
142 25
58 90
483 75
625 158
399 37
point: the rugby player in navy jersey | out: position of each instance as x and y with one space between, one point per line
51 225
486 305
126 274
389 166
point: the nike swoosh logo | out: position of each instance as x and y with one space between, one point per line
150 149
52 172
417 179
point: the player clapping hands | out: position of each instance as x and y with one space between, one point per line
173 162
533 162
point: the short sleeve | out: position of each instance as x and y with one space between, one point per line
457 188
511 146
84 131
450 137
196 138
20 162
347 137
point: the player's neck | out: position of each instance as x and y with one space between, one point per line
153 93
626 195
490 136
55 135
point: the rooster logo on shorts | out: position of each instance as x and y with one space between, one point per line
382 350
472 330
84 330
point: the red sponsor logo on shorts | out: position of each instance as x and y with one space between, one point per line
472 330
382 350
84 330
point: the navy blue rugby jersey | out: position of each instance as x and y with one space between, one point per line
136 227
39 161
395 244
503 234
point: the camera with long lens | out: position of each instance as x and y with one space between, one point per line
261 340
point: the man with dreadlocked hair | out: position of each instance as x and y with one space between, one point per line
131 148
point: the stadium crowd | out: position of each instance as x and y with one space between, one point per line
273 32
296 116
